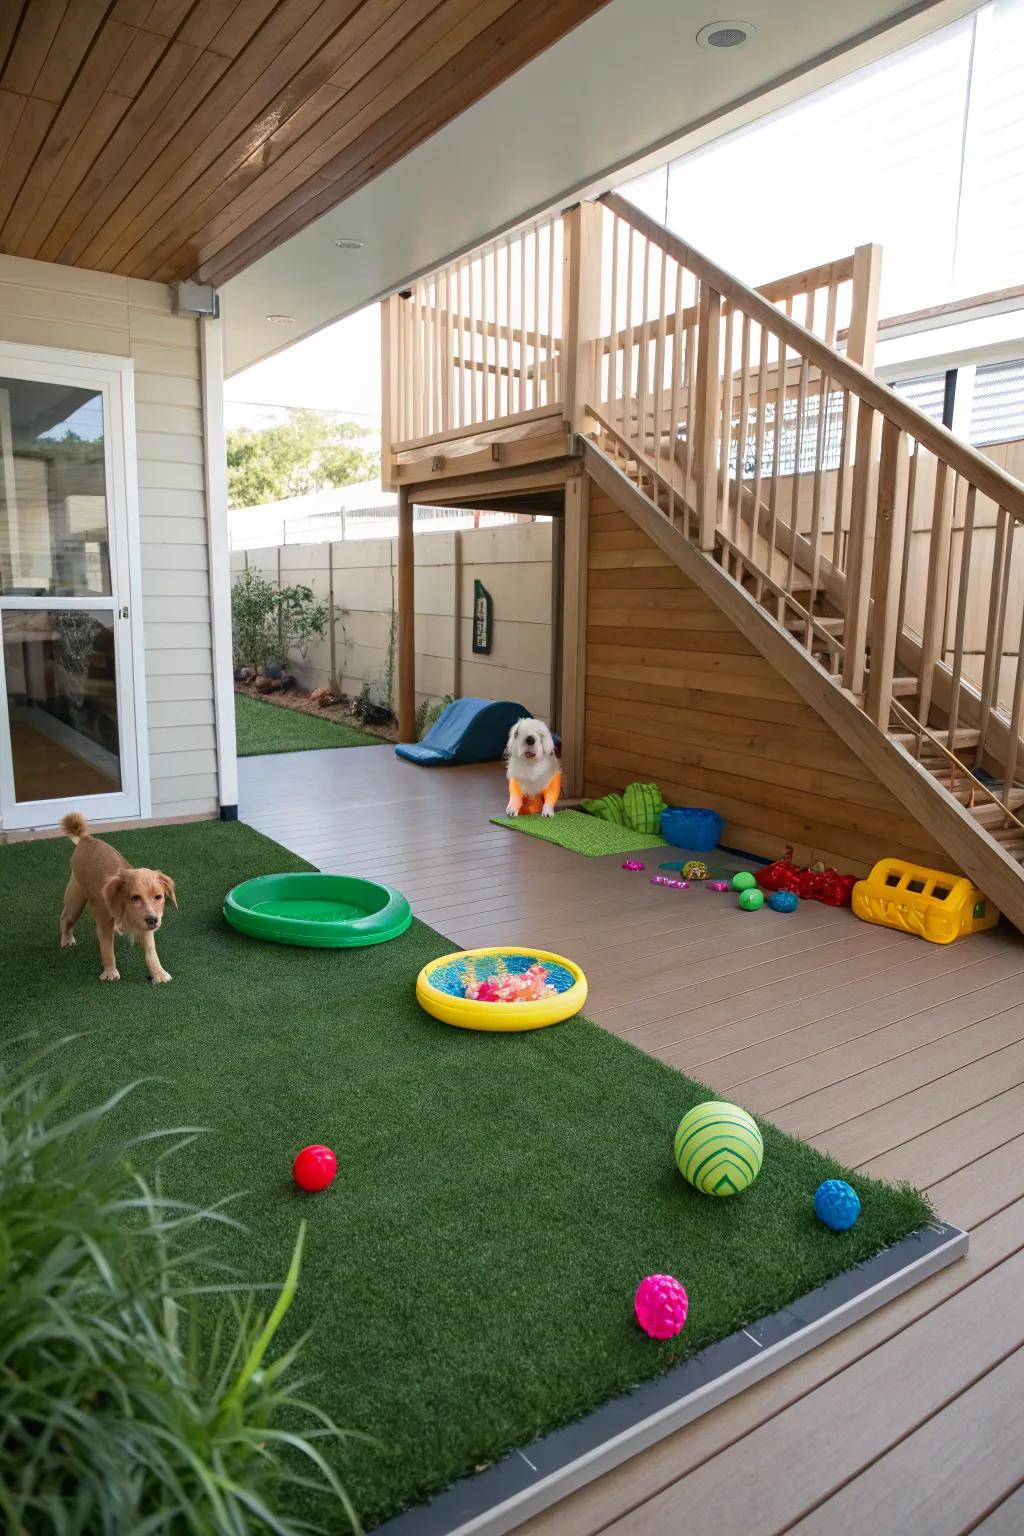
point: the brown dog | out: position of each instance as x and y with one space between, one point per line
123 899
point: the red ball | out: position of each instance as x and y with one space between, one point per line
314 1168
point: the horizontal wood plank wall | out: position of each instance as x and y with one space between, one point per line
55 306
676 694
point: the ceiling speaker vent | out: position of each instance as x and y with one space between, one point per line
725 34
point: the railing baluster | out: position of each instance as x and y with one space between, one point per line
460 311
689 455
708 382
643 351
998 588
627 360
908 533
535 364
725 430
741 433
1017 706
798 448
959 624
613 344
816 497
759 424
673 414
523 325
888 563
937 583
859 563
554 389
773 493
658 392
417 372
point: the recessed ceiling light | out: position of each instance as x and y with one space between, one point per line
725 34
281 319
347 244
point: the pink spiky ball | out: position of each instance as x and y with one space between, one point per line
661 1305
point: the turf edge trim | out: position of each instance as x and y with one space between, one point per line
527 1481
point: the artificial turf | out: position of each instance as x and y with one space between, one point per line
264 728
469 1276
580 833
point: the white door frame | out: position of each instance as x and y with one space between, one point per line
113 378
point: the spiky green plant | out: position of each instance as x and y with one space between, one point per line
139 1391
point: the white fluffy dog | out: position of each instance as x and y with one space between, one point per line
534 777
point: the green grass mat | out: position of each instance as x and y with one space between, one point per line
581 833
469 1277
261 727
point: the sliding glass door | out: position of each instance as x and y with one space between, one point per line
67 684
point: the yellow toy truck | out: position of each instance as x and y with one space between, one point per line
936 906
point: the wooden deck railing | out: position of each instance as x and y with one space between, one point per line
477 344
805 476
784 459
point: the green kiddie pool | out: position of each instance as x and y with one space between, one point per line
318 911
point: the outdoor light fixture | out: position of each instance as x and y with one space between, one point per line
725 34
280 319
347 244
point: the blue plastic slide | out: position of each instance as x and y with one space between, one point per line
469 731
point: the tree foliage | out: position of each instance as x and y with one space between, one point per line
268 622
307 452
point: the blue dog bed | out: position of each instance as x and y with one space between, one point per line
469 731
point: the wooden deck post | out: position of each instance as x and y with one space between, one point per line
390 426
406 620
863 330
574 632
581 309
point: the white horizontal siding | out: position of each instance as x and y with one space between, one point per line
49 305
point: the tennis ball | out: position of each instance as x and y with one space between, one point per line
718 1148
751 898
743 880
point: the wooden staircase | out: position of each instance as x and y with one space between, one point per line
856 575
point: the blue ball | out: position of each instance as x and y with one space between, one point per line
836 1204
783 901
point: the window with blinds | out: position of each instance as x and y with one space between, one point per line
997 405
927 392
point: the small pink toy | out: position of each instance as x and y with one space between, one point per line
716 885
676 885
633 864
661 1305
511 987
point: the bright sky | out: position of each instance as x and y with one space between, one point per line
338 370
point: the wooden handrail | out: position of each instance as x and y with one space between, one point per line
964 460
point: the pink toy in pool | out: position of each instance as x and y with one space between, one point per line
512 987
661 1305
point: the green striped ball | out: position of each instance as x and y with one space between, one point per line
718 1148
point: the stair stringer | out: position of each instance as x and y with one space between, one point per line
935 810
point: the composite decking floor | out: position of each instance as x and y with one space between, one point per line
904 1059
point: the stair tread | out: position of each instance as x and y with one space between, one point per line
963 738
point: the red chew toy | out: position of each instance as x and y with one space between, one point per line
314 1168
825 885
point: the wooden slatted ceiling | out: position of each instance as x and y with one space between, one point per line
168 139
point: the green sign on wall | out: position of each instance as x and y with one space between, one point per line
483 619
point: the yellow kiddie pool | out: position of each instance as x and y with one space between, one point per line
441 988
